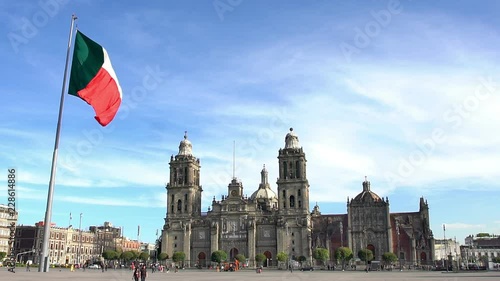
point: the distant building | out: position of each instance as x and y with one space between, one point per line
125 244
444 248
106 236
150 248
478 248
66 244
5 222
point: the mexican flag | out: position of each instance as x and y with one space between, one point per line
94 80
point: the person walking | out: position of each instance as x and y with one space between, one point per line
136 273
144 272
28 264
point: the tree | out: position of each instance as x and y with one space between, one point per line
219 256
482 234
136 254
389 258
178 257
343 254
321 254
3 255
128 255
365 255
241 258
163 256
282 257
110 255
496 259
259 258
144 256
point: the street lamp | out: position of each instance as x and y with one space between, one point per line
156 245
445 248
399 245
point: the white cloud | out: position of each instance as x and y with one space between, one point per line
458 226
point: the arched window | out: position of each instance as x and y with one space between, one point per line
299 193
179 205
172 208
300 204
292 201
185 175
285 174
175 175
297 169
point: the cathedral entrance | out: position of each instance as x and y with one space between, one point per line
372 248
423 258
232 254
202 259
269 259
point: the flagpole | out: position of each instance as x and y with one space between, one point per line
44 257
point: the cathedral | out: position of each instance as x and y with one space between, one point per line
269 223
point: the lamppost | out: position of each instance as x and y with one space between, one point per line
445 247
156 245
399 246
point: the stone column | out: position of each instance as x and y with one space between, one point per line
413 251
251 233
214 237
187 242
389 231
165 243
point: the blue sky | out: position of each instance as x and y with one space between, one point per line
404 92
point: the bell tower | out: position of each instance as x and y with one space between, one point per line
184 190
293 200
293 186
183 199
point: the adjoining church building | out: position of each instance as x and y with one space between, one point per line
269 223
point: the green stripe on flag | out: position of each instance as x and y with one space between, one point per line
88 59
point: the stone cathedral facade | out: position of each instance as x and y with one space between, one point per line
269 223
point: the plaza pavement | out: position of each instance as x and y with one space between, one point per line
242 275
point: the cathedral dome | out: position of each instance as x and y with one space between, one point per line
185 147
264 191
292 140
367 194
